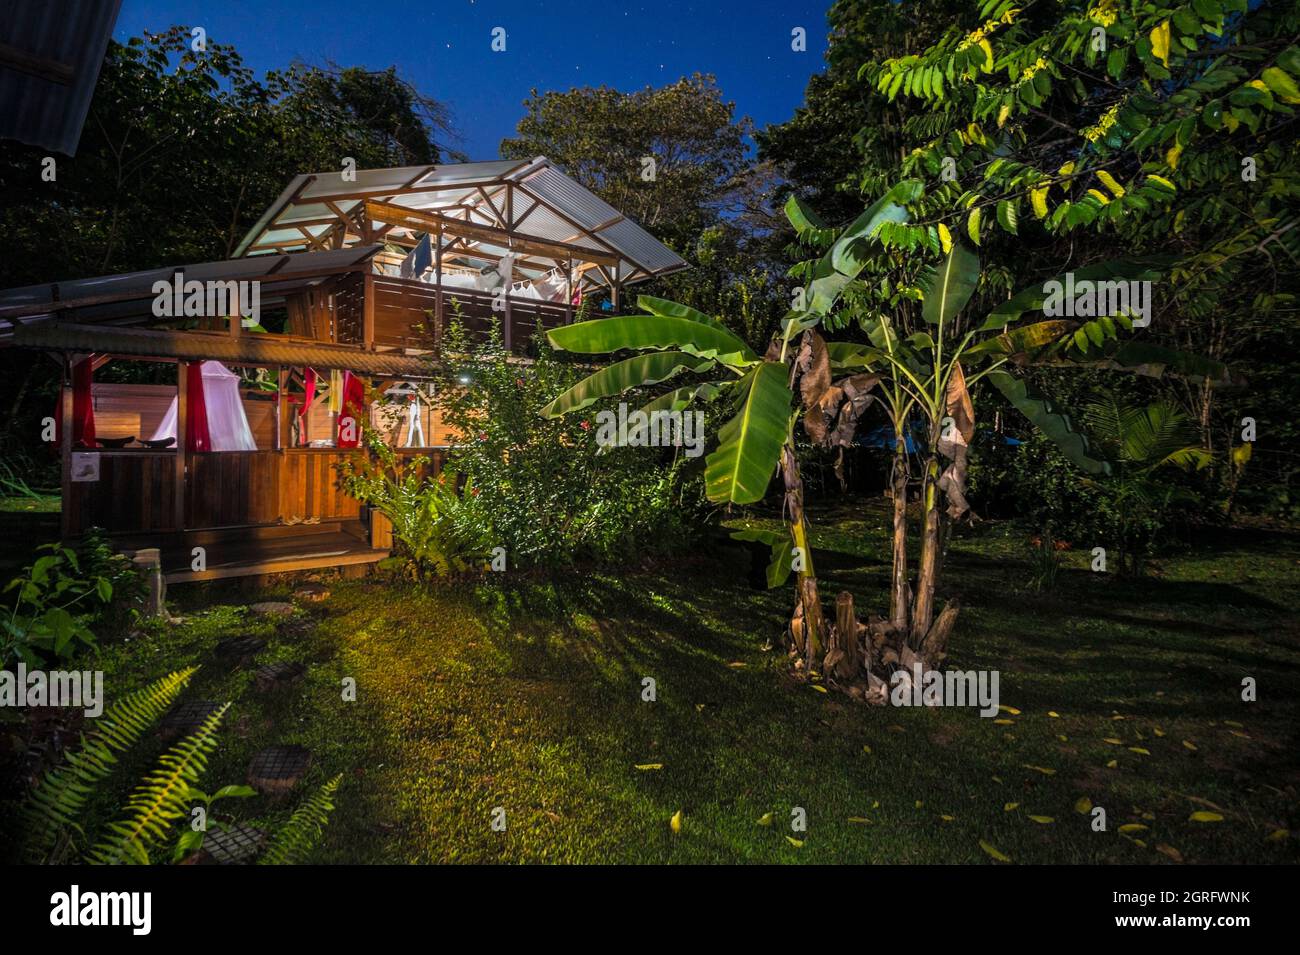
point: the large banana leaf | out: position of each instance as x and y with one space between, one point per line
1055 426
668 309
847 257
601 336
1156 360
1032 298
951 285
749 445
847 356
1026 338
679 399
778 571
647 369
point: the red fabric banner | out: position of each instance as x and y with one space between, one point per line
83 406
197 437
354 397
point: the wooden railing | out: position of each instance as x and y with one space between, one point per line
406 314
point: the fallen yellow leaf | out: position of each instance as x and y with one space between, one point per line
765 819
1133 827
1004 722
1139 750
1202 815
994 853
1009 807
1083 806
675 823
797 843
1169 851
860 820
819 688
1189 745
1040 769
1043 820
1112 764
645 766
1278 835
1009 709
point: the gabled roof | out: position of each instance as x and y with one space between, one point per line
533 199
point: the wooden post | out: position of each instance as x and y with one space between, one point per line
505 289
368 311
182 419
278 443
568 294
437 281
65 451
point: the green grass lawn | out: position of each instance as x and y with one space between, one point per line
528 696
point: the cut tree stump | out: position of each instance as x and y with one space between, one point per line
843 660
183 719
276 676
231 845
277 769
312 592
240 648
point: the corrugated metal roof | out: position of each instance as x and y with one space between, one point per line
50 55
248 349
139 285
566 212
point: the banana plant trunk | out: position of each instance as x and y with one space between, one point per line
898 589
927 576
814 626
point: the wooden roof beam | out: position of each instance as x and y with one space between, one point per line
425 221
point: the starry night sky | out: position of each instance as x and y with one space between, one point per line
445 47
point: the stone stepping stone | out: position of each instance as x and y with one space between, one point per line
272 608
312 592
185 718
275 676
277 769
232 845
240 648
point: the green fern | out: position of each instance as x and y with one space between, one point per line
59 799
299 835
160 799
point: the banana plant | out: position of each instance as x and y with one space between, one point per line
928 374
758 440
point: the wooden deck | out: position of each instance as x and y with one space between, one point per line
252 551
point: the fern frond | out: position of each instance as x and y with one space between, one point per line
300 834
161 798
59 798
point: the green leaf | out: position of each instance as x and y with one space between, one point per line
778 571
1007 216
951 285
604 335
1055 426
749 445
1033 298
973 225
645 369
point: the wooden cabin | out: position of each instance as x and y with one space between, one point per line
230 439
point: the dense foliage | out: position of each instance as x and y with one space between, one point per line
549 493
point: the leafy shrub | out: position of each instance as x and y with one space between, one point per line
438 526
59 596
549 494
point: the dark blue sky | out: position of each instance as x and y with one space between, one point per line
445 47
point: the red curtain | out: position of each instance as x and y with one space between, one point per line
197 437
354 396
83 406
